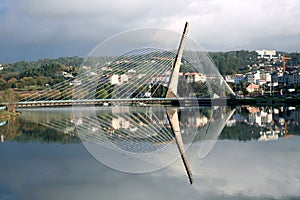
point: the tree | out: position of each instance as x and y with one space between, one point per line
3 84
233 60
51 69
8 96
200 88
27 81
12 83
158 91
102 94
244 86
42 81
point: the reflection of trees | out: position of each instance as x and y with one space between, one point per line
294 128
11 130
23 131
241 131
35 133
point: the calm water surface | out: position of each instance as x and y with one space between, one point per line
242 153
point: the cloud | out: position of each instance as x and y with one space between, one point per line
234 170
216 24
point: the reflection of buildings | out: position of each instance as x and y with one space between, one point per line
119 122
77 121
268 135
197 121
271 123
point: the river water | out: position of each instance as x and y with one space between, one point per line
132 153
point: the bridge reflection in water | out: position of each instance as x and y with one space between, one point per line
148 73
138 139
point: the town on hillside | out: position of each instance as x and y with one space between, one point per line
271 75
260 73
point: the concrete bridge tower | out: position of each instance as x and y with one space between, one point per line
173 84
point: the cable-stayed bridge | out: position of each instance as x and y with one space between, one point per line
141 76
178 78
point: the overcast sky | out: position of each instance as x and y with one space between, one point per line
32 29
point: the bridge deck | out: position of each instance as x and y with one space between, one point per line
134 101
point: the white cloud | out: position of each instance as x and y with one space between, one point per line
252 169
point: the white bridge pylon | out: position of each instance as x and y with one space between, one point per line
173 84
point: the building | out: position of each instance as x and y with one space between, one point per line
253 77
229 79
192 77
76 82
293 79
264 78
86 67
92 74
252 88
117 79
266 54
114 79
123 78
283 79
67 75
160 79
238 78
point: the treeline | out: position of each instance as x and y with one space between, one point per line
39 73
232 62
25 131
241 132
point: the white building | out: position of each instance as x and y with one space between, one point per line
92 74
76 82
114 79
160 79
117 79
264 78
267 54
1 67
229 79
67 75
123 78
253 77
193 77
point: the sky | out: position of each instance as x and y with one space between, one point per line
33 29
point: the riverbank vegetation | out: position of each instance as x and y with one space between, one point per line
6 115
